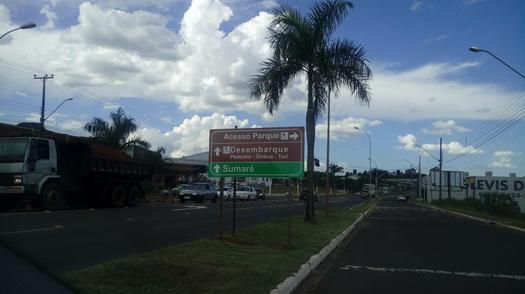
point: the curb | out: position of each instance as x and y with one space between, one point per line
290 283
483 220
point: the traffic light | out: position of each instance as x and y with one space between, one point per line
354 171
316 162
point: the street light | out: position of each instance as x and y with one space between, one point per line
440 160
477 50
28 25
411 165
64 101
369 155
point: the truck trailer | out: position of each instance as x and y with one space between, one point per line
55 170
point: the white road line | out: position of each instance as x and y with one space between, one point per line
33 230
430 271
190 207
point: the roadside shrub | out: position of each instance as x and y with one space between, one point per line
500 204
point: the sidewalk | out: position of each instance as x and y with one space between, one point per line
19 276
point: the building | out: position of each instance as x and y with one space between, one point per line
459 185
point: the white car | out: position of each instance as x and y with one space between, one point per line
228 193
401 198
246 193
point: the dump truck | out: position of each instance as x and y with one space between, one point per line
55 170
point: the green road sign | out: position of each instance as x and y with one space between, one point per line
257 152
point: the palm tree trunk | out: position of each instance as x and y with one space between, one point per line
310 140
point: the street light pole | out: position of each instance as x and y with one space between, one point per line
477 50
63 101
328 154
440 160
369 155
29 25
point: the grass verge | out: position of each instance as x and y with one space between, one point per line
254 262
466 208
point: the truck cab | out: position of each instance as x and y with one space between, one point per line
26 164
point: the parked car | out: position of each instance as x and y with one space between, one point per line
177 190
260 194
246 193
228 193
304 195
401 198
199 192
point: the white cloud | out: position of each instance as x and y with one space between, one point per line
20 93
442 128
200 67
416 5
409 142
502 159
435 39
471 2
51 17
203 69
344 128
110 106
192 135
431 91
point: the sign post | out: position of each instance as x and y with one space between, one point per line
256 152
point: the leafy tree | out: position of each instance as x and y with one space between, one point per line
303 45
335 169
117 132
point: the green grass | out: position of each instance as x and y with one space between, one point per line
254 262
467 208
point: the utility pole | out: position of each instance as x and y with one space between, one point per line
42 110
440 164
419 179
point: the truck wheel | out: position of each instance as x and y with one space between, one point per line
134 194
53 197
117 198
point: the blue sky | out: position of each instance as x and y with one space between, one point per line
181 68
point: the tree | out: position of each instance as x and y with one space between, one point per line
303 45
117 132
335 169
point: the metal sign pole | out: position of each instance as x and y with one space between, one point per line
234 206
221 194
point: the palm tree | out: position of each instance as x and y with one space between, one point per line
304 45
117 133
335 169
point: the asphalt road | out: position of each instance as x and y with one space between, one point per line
60 241
405 248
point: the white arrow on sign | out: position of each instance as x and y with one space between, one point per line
217 168
294 136
217 151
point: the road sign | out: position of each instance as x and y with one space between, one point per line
257 152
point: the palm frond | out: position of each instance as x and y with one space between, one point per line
350 68
270 83
325 16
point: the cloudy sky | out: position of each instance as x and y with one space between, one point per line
181 67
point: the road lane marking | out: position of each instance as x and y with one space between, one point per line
190 207
130 219
33 230
245 208
430 271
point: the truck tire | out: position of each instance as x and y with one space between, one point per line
134 195
53 197
117 197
